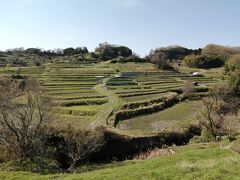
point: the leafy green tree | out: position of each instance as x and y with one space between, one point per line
203 61
107 51
69 51
173 52
221 52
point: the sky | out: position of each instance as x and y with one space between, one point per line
141 25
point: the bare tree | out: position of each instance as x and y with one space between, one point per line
24 114
80 143
218 104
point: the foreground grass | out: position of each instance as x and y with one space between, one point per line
198 161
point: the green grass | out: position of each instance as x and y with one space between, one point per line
79 110
144 97
85 101
130 66
196 161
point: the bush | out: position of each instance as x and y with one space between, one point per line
221 52
132 58
203 61
233 64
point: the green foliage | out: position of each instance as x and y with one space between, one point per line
160 59
132 58
36 165
106 51
71 51
173 52
233 64
235 82
221 52
203 61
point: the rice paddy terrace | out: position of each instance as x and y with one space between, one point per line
97 94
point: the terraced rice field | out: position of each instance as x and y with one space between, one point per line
72 89
91 94
135 86
141 87
172 118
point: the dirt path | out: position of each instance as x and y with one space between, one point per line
114 102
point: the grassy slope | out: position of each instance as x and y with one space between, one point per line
201 161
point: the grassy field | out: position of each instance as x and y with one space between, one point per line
196 161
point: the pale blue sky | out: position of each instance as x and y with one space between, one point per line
139 24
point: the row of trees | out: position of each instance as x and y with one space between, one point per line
105 51
210 56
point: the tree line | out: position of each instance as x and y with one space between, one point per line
208 57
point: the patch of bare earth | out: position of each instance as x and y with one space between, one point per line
155 153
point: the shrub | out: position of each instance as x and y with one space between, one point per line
235 82
132 58
203 61
233 64
221 52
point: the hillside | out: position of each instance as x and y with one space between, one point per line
200 161
138 108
